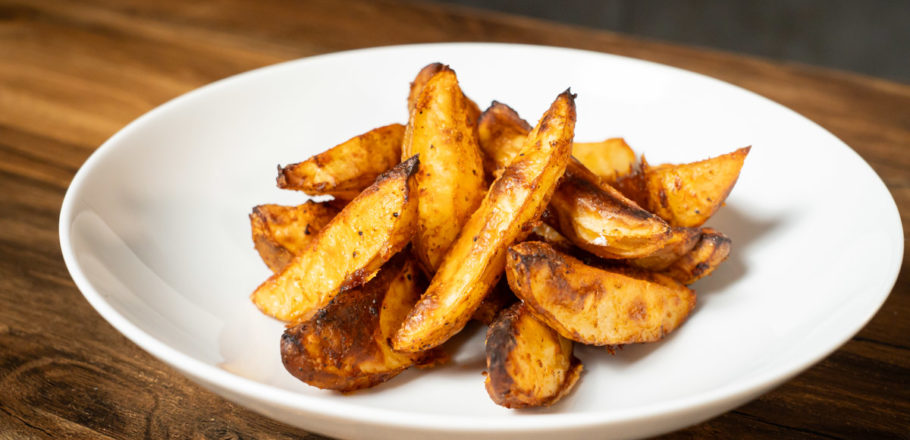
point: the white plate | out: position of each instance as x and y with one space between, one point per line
154 231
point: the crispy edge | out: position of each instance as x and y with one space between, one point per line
524 358
681 241
609 159
502 134
712 249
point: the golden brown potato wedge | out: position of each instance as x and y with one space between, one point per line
348 251
681 241
281 232
502 134
600 220
345 346
685 195
346 169
609 160
499 298
421 81
712 249
528 363
548 234
592 305
450 183
508 213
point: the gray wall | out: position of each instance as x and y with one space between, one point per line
870 37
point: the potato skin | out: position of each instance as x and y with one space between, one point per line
281 232
345 346
347 168
600 220
348 251
592 305
508 213
450 183
609 160
685 195
681 242
528 364
710 251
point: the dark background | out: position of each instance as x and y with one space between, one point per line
865 36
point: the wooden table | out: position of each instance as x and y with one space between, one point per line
72 74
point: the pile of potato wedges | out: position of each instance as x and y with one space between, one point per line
466 214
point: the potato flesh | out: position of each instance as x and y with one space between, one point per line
681 241
528 363
450 182
281 232
507 214
710 251
502 135
348 168
345 346
348 251
609 160
592 305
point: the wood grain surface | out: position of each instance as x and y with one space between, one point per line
73 73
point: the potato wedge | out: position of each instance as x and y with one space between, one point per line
712 249
281 232
502 135
348 251
685 195
681 241
609 160
346 169
450 182
600 220
421 81
508 213
345 346
528 363
592 305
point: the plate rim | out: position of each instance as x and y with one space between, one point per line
333 408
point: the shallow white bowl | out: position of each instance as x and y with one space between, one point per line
154 231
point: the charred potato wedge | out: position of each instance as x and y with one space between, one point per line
681 241
528 364
346 169
707 255
450 182
345 346
348 251
609 160
281 232
600 220
592 305
508 213
502 134
685 195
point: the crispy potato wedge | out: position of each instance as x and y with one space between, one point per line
346 169
502 134
499 298
600 220
681 241
528 363
548 234
348 251
450 182
508 213
685 195
609 160
592 305
345 346
712 249
281 232
421 81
